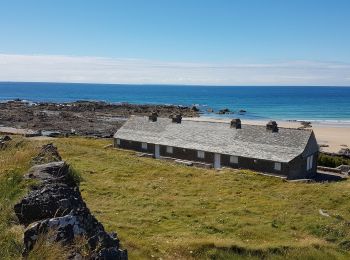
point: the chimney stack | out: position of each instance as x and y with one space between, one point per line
176 119
272 126
153 117
236 123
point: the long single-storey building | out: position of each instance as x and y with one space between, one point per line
271 149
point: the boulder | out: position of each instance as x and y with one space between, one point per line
76 224
48 153
224 111
3 141
48 201
194 108
53 172
3 145
5 138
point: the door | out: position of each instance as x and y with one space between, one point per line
156 151
217 161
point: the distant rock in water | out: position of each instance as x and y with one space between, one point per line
196 109
55 209
224 111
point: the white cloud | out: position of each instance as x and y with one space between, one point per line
53 68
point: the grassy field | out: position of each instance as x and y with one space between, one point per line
163 210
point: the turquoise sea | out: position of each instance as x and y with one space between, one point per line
326 104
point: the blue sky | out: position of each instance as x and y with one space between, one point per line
205 33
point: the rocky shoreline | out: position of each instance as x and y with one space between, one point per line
85 118
54 210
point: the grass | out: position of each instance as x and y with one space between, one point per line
14 161
168 211
165 210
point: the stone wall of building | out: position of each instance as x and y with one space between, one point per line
191 155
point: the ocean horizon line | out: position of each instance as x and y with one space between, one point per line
170 85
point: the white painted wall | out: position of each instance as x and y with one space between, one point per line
217 161
157 151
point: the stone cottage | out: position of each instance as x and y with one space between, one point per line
271 149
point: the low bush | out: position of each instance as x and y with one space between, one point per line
332 161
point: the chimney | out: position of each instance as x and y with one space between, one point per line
236 123
272 126
176 119
153 117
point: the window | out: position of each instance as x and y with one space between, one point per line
309 162
278 166
200 154
234 159
144 146
118 141
169 149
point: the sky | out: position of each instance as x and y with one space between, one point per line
208 42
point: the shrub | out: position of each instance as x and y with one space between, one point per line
332 161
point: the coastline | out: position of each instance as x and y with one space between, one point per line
330 136
96 118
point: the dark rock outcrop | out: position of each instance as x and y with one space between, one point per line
47 201
345 152
4 141
98 119
48 153
224 111
5 138
55 208
51 173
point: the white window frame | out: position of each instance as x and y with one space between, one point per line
201 154
169 149
309 162
118 141
234 159
144 146
278 166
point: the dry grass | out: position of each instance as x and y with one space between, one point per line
14 161
165 210
48 250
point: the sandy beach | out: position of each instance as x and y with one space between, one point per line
336 136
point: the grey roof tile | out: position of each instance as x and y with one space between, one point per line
251 141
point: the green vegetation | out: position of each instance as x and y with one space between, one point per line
332 161
14 161
161 209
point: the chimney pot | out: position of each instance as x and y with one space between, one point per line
236 123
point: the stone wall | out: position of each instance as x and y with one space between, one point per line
55 209
191 155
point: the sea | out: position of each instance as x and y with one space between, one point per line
316 104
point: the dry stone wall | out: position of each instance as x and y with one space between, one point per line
54 207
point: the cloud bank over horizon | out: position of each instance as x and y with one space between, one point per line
75 69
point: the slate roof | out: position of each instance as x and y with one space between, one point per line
251 141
